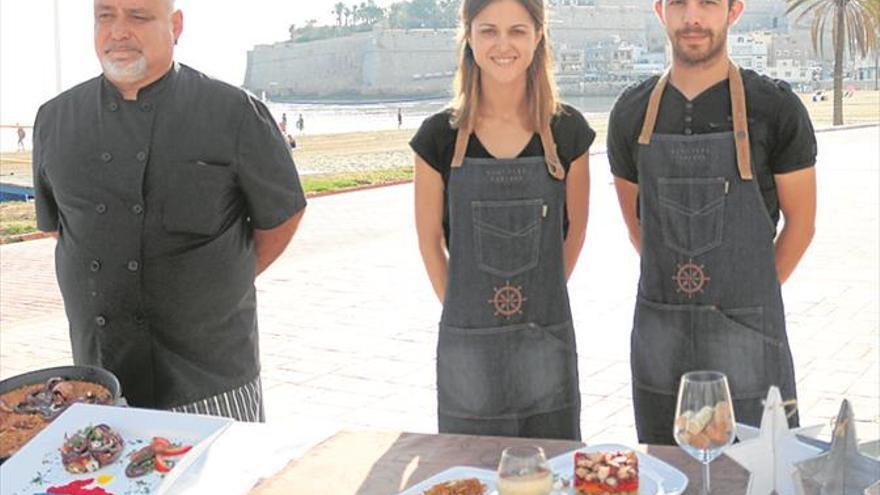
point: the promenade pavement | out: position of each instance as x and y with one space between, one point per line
348 320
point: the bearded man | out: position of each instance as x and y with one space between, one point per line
705 159
168 192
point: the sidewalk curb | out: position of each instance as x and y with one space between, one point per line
847 127
30 236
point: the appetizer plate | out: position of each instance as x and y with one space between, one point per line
455 473
37 466
655 476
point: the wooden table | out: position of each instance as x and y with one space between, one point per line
385 463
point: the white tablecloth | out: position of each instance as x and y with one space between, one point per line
246 453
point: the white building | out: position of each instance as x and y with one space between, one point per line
749 52
792 71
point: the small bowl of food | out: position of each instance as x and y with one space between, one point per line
30 401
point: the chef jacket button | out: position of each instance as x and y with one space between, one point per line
101 208
137 209
106 156
688 119
133 266
688 105
114 106
688 131
141 156
95 265
100 321
146 106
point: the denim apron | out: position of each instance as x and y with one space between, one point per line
709 296
506 356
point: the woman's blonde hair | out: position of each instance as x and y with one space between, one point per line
541 92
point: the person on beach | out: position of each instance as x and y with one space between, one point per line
501 197
168 193
283 124
399 118
21 135
300 123
705 158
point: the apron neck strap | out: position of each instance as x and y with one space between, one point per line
738 110
740 123
653 109
551 157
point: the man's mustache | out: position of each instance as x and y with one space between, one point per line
120 46
689 31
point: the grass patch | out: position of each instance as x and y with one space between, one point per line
16 218
17 228
320 183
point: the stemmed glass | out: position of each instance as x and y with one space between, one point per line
704 422
524 471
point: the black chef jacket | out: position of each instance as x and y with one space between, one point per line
155 202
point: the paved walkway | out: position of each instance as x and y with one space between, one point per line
348 321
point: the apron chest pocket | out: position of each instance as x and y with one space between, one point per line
507 235
692 213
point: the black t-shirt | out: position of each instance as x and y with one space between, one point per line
781 134
435 143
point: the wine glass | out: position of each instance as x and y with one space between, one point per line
704 423
524 471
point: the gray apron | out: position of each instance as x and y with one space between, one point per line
709 295
506 356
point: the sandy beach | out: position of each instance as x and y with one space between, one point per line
351 152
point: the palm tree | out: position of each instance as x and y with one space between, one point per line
338 10
854 24
355 15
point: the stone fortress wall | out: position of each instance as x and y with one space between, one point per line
390 63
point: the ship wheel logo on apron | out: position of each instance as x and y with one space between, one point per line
691 278
508 300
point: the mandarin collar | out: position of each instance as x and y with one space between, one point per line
147 93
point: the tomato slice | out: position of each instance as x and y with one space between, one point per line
160 443
173 451
162 464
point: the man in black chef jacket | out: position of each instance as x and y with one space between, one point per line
705 158
168 192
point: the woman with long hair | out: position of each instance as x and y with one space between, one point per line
502 188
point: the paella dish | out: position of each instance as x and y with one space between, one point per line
25 411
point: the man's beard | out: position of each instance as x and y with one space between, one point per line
126 72
716 47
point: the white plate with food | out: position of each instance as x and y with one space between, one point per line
655 477
109 450
466 480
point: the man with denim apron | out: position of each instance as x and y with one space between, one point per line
709 297
701 187
506 357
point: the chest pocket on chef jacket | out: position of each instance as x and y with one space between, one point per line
198 200
507 235
692 213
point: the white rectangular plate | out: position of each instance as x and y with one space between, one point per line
655 476
455 473
37 466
